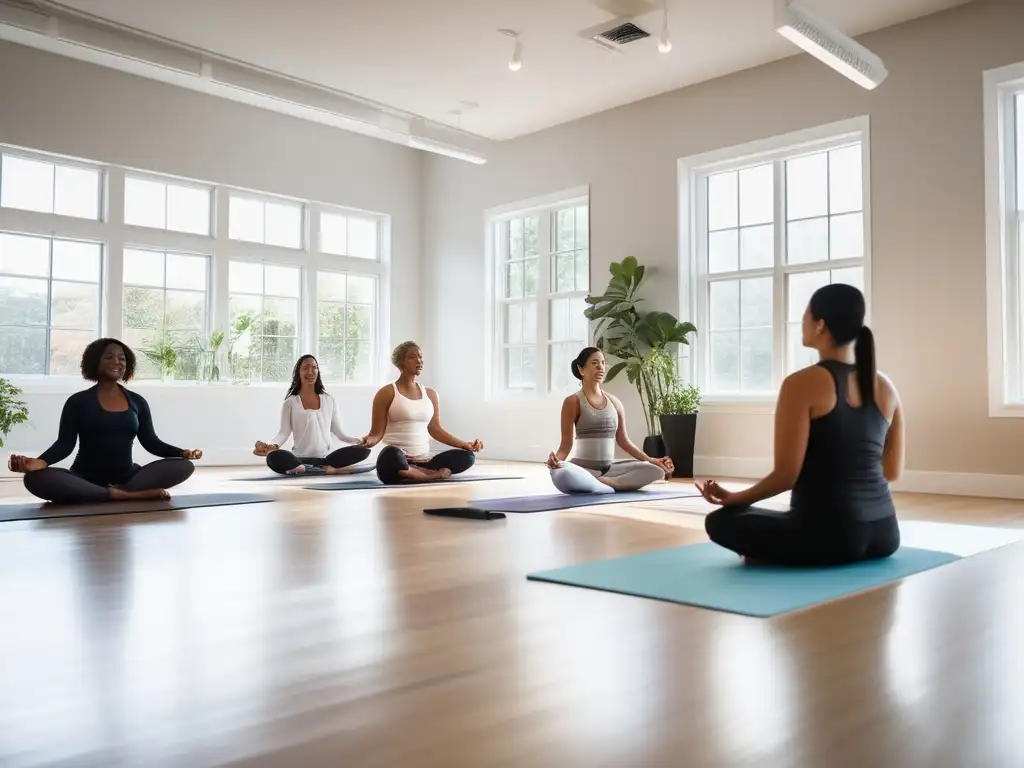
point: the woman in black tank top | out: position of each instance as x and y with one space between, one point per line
838 443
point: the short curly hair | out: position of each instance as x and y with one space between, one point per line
94 353
400 352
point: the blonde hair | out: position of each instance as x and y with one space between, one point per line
400 351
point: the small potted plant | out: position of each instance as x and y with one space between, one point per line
13 410
677 412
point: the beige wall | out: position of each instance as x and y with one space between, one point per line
928 229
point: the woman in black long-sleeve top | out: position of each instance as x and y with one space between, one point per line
105 420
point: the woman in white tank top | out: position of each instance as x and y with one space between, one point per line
405 417
599 424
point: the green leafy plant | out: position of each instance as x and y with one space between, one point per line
13 410
640 340
680 398
209 350
163 354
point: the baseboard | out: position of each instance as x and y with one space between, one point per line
914 480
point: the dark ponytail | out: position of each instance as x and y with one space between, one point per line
864 355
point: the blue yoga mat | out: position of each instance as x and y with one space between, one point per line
555 501
710 576
360 483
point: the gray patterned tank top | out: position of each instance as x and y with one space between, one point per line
595 434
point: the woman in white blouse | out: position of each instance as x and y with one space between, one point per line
311 416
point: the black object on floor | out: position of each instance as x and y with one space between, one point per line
470 513
42 510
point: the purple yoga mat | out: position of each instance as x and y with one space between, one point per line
571 500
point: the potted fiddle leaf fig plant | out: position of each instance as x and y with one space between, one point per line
643 342
677 411
13 410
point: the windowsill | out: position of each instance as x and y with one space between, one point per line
738 405
526 397
1006 411
32 385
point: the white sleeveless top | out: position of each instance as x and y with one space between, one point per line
407 423
310 429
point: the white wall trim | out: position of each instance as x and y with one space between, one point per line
914 480
511 210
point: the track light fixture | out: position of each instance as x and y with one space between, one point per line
516 62
664 44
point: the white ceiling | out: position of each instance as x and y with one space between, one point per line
429 57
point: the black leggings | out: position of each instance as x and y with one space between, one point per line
783 538
283 461
63 486
392 460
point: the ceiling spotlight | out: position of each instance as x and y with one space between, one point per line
516 62
664 44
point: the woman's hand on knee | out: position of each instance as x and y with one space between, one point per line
553 462
666 466
473 447
262 449
193 454
23 464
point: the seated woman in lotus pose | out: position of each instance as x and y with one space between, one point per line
311 416
599 423
405 416
105 419
839 442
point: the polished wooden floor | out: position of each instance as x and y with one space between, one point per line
349 629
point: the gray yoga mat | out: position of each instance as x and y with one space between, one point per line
356 470
45 510
571 500
364 483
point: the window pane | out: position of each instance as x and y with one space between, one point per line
241 308
801 286
362 238
530 270
358 362
756 360
578 323
22 350
560 319
361 289
850 276
245 277
331 356
565 230
529 321
514 281
74 305
285 281
807 241
145 203
359 321
529 367
846 239
26 184
514 366
186 310
22 255
188 209
531 229
23 301
330 320
143 267
756 302
76 261
560 375
723 250
757 195
807 186
1020 153
278 358
333 233
66 351
725 305
582 226
516 239
513 323
723 201
77 192
757 247
284 225
724 348
245 219
797 355
280 317
143 308
582 270
563 278
845 180
330 285
186 272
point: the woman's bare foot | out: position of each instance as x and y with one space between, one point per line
338 470
158 494
611 482
420 475
297 470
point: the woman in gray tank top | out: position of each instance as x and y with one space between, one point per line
599 424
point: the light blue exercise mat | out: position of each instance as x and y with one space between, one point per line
710 576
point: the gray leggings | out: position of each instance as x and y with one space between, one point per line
629 476
62 486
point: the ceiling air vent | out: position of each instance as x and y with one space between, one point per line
623 33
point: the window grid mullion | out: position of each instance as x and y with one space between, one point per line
545 241
779 289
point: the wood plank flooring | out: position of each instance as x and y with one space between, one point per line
349 629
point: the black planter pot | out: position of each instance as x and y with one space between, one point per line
654 446
679 431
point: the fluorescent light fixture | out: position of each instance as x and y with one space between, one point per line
828 44
444 149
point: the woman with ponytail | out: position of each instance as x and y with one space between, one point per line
839 442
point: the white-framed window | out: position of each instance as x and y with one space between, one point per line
540 261
1004 207
205 281
264 305
161 204
764 226
165 307
269 221
49 302
58 187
